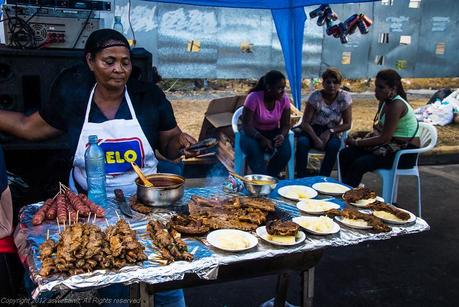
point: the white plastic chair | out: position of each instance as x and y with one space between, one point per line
428 137
240 157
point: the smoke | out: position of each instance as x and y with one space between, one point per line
216 175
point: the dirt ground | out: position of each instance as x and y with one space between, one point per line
190 115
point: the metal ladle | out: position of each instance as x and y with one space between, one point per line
142 177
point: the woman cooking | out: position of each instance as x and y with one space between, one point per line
395 127
128 116
131 118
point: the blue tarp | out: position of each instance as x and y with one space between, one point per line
289 18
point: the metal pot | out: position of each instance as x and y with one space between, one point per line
260 189
166 190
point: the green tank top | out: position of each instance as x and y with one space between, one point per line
407 125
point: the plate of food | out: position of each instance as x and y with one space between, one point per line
232 240
281 233
392 214
330 188
318 225
316 206
361 197
353 223
297 192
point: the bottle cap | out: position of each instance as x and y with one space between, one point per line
93 139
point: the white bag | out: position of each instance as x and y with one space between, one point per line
437 113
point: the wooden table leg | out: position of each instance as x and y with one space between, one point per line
146 299
139 295
134 295
281 291
307 289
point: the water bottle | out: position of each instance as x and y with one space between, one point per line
118 26
94 158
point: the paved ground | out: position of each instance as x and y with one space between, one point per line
414 270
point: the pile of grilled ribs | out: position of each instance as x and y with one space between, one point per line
85 247
244 213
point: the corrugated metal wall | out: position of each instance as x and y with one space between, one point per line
417 37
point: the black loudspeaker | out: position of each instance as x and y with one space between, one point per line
26 77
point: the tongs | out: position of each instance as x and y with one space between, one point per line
201 145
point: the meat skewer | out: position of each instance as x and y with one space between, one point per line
61 209
95 209
52 210
77 203
40 216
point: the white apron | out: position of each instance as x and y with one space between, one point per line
123 141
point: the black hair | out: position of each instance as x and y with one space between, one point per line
393 80
104 38
332 72
268 80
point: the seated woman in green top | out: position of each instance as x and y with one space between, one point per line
394 123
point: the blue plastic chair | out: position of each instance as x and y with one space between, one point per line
240 157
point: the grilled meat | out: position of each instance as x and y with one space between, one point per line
47 248
372 220
188 225
379 206
357 194
85 247
168 242
258 203
279 228
244 213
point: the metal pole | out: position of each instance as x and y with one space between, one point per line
308 287
281 291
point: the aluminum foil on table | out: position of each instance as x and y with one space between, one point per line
206 258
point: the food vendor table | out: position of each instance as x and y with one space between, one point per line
210 264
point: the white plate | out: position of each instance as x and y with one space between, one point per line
216 238
299 219
262 233
330 188
340 219
311 206
297 192
410 220
363 203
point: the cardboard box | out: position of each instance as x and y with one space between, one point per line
217 124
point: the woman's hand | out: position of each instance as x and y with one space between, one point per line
325 136
319 144
350 141
186 140
265 143
279 140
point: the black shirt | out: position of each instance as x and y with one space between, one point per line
69 96
3 176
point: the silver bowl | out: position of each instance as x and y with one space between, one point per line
167 189
260 189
